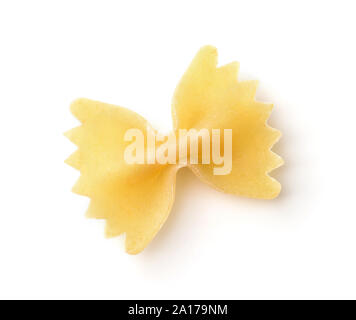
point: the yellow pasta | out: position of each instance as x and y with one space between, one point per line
136 198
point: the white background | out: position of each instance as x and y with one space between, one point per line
133 53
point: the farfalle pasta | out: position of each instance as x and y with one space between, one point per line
128 170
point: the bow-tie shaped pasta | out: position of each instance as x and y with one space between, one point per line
136 199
